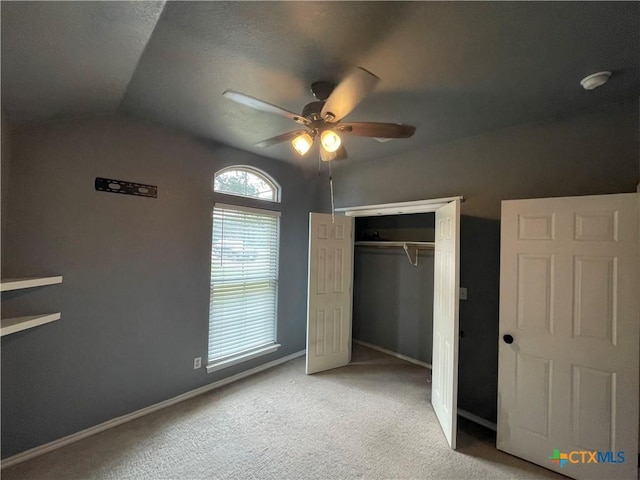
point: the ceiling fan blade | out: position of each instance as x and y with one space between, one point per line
263 106
280 138
340 154
348 93
378 130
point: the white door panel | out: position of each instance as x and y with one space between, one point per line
444 386
569 288
329 292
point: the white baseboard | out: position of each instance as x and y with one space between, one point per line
393 354
476 419
114 422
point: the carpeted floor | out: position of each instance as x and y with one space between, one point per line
369 420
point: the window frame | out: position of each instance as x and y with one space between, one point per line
260 206
265 177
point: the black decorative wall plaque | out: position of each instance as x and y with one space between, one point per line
128 188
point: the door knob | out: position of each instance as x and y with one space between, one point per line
508 338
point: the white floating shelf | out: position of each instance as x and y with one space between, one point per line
13 325
18 283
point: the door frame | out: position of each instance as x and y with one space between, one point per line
398 208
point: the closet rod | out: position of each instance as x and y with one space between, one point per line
410 248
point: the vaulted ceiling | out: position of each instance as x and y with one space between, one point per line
452 69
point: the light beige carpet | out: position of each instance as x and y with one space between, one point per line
369 420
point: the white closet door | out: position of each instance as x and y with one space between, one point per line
444 386
329 292
568 351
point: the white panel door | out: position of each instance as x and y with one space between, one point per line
329 297
568 379
446 290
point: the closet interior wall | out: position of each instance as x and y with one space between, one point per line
393 299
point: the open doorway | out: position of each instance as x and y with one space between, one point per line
392 291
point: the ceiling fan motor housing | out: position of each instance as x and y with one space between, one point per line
321 90
312 110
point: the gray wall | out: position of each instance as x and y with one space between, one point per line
135 295
590 154
478 354
5 153
594 153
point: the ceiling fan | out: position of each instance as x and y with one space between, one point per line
323 118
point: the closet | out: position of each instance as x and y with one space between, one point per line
330 299
393 284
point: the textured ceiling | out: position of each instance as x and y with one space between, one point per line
63 59
452 69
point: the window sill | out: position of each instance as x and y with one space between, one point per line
242 357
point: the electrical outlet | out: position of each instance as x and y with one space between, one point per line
463 293
197 363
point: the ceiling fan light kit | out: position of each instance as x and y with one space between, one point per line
322 117
330 140
302 143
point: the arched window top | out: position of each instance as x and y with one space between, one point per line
246 182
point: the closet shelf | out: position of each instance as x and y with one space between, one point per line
410 248
28 282
13 325
389 244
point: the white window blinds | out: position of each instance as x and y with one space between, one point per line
244 281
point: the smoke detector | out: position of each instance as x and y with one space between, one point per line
595 80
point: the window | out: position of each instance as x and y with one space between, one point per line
246 182
244 275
